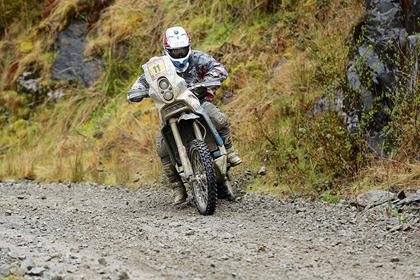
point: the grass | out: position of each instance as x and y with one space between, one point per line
281 57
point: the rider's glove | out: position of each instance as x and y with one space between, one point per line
136 95
200 91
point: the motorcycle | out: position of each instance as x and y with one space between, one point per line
195 147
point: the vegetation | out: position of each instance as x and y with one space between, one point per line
281 55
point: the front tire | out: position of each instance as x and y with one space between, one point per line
204 184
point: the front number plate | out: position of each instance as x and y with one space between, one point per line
156 68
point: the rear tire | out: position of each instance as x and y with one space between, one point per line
204 189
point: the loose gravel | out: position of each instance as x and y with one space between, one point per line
85 231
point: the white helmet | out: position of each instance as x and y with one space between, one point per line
177 46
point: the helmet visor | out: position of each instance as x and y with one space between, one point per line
179 53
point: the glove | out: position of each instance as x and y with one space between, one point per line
199 92
136 95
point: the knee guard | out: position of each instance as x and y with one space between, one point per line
220 121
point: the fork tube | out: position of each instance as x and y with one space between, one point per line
181 149
197 131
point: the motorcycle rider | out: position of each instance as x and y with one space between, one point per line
194 66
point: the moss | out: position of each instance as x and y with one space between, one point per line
330 196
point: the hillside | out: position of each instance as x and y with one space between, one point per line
282 57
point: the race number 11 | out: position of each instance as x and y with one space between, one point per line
156 69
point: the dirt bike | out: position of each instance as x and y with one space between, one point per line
195 147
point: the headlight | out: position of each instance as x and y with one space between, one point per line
164 84
168 95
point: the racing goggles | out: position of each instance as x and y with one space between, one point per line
179 53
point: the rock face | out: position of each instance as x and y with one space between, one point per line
71 64
373 70
385 61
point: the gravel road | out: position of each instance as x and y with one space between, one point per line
63 231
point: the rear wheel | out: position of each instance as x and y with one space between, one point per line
204 182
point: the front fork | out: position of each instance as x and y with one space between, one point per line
220 163
185 161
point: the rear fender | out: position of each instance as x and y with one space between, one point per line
188 117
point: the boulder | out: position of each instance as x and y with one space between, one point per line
262 171
27 265
374 198
411 199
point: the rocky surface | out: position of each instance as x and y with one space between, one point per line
71 63
384 61
72 231
374 198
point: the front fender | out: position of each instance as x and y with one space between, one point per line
188 117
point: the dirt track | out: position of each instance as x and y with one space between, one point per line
91 232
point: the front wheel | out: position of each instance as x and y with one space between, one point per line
203 184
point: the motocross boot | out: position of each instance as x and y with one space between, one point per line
180 193
170 172
233 157
176 183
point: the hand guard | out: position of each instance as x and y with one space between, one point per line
136 95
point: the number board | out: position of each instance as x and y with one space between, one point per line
156 68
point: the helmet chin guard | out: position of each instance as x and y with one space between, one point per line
181 67
177 46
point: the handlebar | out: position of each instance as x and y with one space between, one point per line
208 84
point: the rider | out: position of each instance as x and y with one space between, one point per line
195 67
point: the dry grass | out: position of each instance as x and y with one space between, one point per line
121 21
94 136
58 13
385 173
127 19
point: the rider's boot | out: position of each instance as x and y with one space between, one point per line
175 182
180 193
170 172
233 157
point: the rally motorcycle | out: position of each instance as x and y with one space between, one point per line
195 147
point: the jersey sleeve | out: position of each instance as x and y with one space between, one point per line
211 69
139 90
